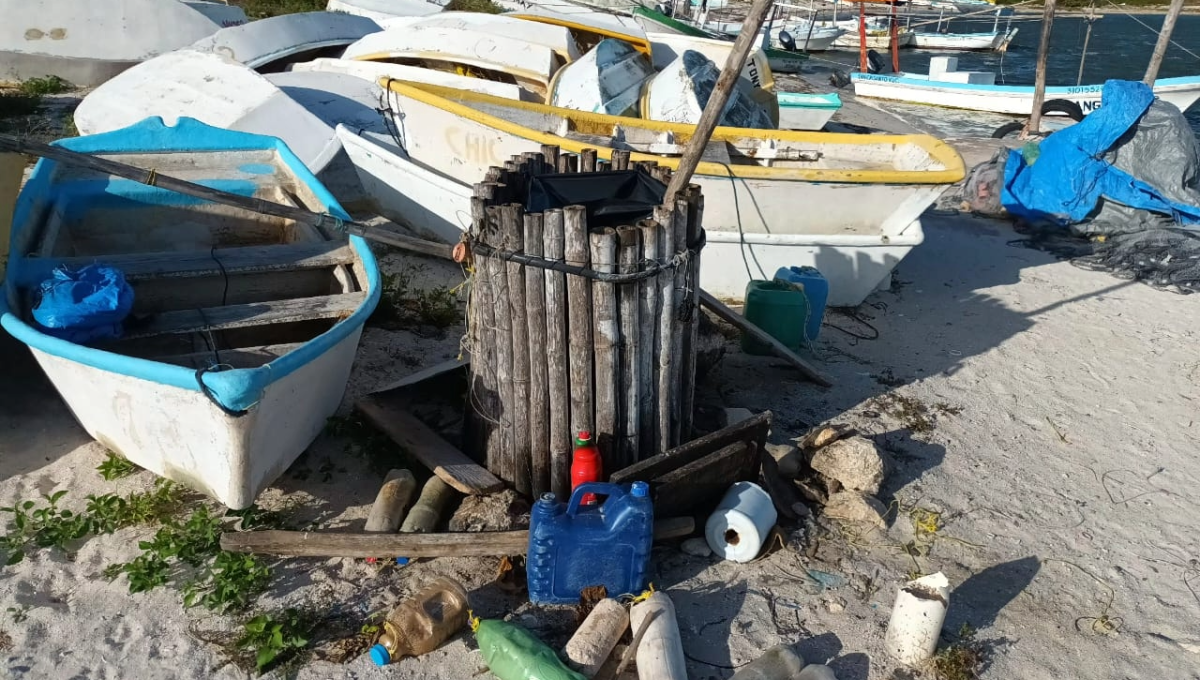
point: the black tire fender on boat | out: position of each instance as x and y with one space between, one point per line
875 62
1063 106
1007 129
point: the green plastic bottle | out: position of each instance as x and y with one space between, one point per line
780 309
513 653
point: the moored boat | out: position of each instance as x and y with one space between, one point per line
962 41
847 204
270 44
243 327
374 70
806 111
977 90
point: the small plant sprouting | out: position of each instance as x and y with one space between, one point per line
41 527
115 467
230 583
962 660
276 639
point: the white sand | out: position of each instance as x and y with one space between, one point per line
1074 450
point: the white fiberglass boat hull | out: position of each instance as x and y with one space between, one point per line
265 42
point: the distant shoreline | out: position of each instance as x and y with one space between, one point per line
1106 10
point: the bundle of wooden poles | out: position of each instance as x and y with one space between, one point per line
559 345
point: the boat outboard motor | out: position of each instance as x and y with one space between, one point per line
875 62
662 9
787 41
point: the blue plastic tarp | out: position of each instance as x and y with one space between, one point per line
84 305
1069 177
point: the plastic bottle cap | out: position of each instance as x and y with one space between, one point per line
640 490
401 561
380 655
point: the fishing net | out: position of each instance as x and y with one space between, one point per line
1131 243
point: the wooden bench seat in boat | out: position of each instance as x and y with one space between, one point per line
243 316
222 261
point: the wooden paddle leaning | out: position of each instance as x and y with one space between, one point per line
150 177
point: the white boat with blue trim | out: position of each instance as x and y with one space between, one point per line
979 92
243 327
799 111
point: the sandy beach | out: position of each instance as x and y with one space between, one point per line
1043 414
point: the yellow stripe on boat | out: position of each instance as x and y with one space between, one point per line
948 165
584 32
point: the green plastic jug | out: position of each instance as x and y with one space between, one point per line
778 308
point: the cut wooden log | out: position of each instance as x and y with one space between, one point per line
539 388
728 315
390 502
426 513
664 371
647 354
445 461
629 254
501 444
517 411
579 317
344 544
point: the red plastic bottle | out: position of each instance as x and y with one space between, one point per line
585 464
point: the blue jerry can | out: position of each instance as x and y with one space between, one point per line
574 546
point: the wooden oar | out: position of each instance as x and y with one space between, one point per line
150 177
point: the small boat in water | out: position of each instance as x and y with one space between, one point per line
679 93
989 41
87 43
213 89
608 79
946 86
271 44
847 204
806 111
243 327
780 58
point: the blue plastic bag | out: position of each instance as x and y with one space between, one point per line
85 305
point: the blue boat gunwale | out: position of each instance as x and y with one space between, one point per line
1067 90
798 100
236 389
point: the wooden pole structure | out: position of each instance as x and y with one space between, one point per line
894 32
605 336
539 388
730 73
579 317
1039 81
1164 40
1087 38
501 450
648 349
629 254
556 359
863 65
665 216
512 220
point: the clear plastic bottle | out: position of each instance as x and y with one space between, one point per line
423 622
780 662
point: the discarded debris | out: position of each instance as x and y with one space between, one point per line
917 617
816 672
389 505
423 622
780 662
494 512
741 523
823 436
696 547
595 639
660 654
513 653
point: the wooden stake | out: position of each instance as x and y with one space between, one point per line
556 359
680 333
695 217
550 155
579 318
512 222
502 444
1164 41
605 336
587 160
1039 80
629 296
665 390
482 402
730 74
539 390
620 159
648 311
568 163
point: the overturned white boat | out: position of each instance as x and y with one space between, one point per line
86 43
462 51
679 93
557 38
608 79
212 89
384 9
271 44
374 71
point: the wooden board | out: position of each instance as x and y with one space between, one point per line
446 367
338 544
427 446
243 316
697 474
220 261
